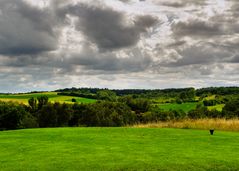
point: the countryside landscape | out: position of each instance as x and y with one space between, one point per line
119 85
102 129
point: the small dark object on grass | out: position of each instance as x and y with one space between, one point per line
211 131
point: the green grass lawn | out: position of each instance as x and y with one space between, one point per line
118 149
53 97
186 107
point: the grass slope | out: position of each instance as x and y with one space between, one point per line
218 107
186 107
118 149
53 97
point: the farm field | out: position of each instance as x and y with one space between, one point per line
53 97
186 107
218 107
118 149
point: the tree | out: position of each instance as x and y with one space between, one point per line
42 100
106 95
231 109
33 104
11 115
47 116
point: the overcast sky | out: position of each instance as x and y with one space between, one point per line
51 44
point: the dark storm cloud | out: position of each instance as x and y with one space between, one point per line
197 28
201 54
25 29
32 35
106 27
90 59
180 3
235 59
176 44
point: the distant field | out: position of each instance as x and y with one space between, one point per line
53 97
118 149
216 107
186 107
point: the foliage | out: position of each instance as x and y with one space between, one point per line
12 116
112 110
103 114
231 109
210 102
106 95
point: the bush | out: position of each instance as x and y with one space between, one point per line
209 102
105 114
231 109
11 115
47 116
28 121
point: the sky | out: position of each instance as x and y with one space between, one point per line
118 44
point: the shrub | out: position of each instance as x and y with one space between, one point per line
11 115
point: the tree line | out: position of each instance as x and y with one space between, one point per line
104 113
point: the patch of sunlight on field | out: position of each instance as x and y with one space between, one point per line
212 97
218 107
53 97
24 101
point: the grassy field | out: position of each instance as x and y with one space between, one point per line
53 97
118 149
218 107
186 107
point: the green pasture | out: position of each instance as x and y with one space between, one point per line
218 107
118 149
186 107
53 97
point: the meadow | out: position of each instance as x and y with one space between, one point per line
118 149
53 97
203 124
186 107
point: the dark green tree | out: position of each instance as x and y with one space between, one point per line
33 104
106 95
42 100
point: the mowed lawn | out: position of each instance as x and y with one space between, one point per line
53 97
118 149
186 107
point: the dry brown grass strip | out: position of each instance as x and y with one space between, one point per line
218 124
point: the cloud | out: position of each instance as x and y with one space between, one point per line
202 53
108 28
197 28
180 3
26 29
150 44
